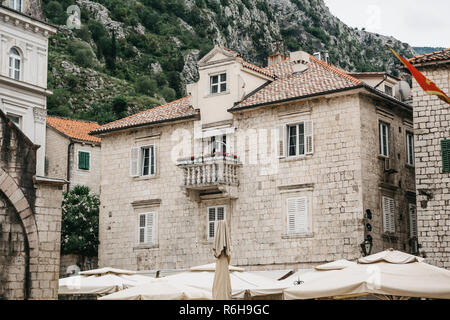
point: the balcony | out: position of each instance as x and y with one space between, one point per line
211 175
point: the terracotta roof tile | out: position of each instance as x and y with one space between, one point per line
174 110
319 77
75 129
258 69
431 57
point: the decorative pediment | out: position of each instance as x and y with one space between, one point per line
218 54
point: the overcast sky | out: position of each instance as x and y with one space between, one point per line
417 22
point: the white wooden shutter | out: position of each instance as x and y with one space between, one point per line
388 214
309 137
297 215
134 161
153 160
151 228
413 220
282 134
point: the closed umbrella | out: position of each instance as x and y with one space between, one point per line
221 289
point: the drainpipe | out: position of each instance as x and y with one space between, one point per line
69 148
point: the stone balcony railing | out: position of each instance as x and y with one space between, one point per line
206 172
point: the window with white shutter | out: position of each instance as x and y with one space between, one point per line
297 215
282 141
215 214
388 214
412 208
300 139
147 228
143 161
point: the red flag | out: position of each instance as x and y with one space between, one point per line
427 85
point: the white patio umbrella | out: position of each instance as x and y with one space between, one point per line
100 282
386 274
202 278
242 282
160 289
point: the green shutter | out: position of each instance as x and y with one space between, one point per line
86 160
83 160
445 148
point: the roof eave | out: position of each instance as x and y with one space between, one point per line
362 85
102 132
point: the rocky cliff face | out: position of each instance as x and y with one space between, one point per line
153 46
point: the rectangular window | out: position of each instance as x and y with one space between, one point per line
218 144
219 83
412 209
297 215
83 160
300 139
215 214
147 228
384 139
388 214
445 150
388 90
17 120
143 161
409 148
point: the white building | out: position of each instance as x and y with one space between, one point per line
23 72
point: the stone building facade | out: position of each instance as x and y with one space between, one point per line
30 202
30 220
432 150
229 151
73 154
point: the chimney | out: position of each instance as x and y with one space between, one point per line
300 60
277 57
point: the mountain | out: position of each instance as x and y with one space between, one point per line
130 55
425 50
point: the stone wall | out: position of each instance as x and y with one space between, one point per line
432 124
56 154
377 183
30 216
91 177
332 179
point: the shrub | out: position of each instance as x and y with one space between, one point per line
168 93
145 85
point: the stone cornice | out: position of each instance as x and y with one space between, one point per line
19 19
25 86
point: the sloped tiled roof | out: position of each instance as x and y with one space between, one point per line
175 110
75 129
431 57
318 78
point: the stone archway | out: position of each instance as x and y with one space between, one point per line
20 203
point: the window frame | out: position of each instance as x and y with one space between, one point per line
151 149
219 83
382 145
410 149
13 115
390 88
306 213
78 160
16 5
216 221
308 139
388 216
145 228
14 72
